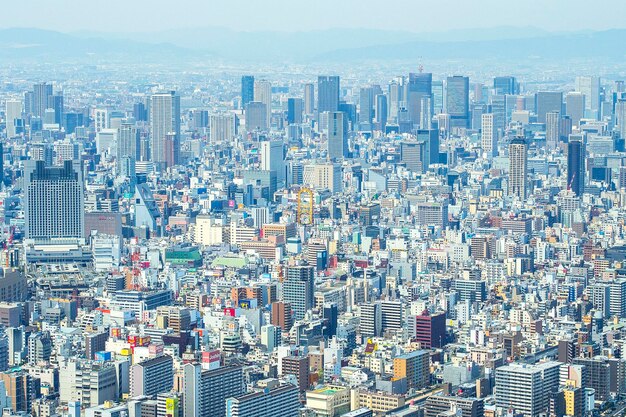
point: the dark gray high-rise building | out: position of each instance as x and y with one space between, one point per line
576 165
518 163
366 105
295 107
327 93
41 94
337 135
420 85
547 101
54 207
382 111
247 90
431 148
298 289
55 102
457 101
505 85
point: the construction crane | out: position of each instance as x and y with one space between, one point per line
305 206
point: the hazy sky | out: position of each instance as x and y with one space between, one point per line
291 15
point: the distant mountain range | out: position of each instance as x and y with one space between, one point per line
330 45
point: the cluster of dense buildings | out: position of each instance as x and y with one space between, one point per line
423 248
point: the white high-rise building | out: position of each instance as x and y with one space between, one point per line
13 111
263 94
488 135
272 159
165 121
54 209
222 127
590 87
518 161
553 129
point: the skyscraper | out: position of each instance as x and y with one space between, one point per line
309 98
164 119
366 106
590 88
575 106
294 110
298 289
337 135
13 112
431 149
256 116
457 101
247 90
263 94
41 94
55 102
547 101
327 93
420 85
518 160
553 129
205 391
54 207
152 376
128 144
382 111
488 135
272 158
576 165
505 85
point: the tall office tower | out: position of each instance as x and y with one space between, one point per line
419 85
54 209
55 102
547 101
553 129
327 93
309 98
200 119
247 90
263 94
394 92
299 288
426 114
295 107
281 400
205 391
140 113
21 388
128 142
382 111
505 85
576 165
366 107
488 135
13 112
39 348
620 117
518 160
222 127
164 119
413 155
526 389
152 376
41 93
29 98
431 149
256 116
438 97
415 367
590 88
101 119
337 136
273 158
370 322
325 176
575 106
497 106
457 101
